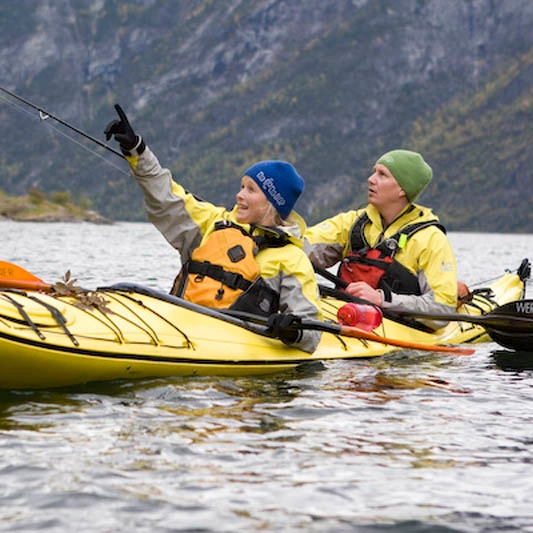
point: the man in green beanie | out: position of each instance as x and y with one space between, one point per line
393 253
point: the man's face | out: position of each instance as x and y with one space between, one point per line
383 189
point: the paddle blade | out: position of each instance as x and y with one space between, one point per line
15 277
522 309
349 331
517 332
521 342
12 271
25 285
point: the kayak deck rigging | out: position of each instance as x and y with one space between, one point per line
49 340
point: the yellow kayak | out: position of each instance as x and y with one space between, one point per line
132 332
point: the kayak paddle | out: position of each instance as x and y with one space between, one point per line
15 277
510 325
358 333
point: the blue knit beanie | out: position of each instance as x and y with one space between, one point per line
280 183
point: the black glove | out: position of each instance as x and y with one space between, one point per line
124 134
285 327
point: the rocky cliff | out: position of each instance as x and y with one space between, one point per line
327 84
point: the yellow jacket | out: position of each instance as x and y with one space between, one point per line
427 254
186 222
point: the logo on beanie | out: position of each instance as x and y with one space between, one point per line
269 187
279 182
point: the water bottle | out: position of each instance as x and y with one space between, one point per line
367 317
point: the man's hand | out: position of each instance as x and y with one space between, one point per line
361 289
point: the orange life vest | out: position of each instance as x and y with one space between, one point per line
223 272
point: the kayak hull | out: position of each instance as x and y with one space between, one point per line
49 341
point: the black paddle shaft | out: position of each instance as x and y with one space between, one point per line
514 316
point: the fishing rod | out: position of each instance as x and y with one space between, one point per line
44 115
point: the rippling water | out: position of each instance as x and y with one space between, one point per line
412 442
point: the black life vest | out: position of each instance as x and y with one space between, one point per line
377 266
223 272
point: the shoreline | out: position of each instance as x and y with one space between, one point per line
37 207
92 217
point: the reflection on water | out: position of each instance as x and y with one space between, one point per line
513 361
411 442
321 449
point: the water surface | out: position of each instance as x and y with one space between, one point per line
412 442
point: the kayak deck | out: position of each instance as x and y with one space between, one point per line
52 341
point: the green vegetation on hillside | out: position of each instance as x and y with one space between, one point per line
481 141
36 206
215 86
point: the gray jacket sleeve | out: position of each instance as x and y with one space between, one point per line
176 213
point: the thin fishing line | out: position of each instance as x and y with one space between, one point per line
45 114
16 106
488 281
43 118
484 282
91 151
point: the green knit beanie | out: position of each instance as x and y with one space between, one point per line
410 171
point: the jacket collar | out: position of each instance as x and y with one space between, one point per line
294 230
410 214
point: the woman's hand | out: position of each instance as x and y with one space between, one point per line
123 133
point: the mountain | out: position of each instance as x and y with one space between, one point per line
329 85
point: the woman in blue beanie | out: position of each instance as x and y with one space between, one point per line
248 259
394 252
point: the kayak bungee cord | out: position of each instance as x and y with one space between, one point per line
45 115
58 317
26 318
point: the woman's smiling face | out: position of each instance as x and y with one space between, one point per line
252 204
